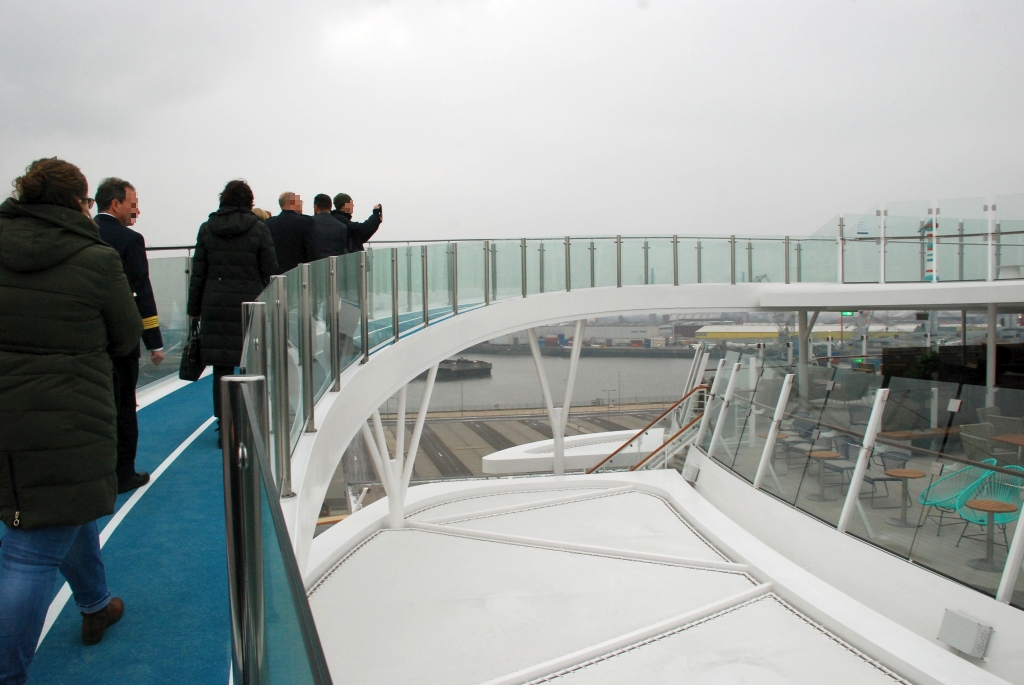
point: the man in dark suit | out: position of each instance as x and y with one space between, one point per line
358 232
331 235
292 232
118 206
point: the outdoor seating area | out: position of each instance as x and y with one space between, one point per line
936 490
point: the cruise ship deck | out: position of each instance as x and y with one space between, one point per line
779 523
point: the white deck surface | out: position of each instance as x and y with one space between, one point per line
762 642
590 580
472 504
633 521
412 606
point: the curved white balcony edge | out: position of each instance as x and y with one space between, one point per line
365 387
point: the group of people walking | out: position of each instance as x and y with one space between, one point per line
75 302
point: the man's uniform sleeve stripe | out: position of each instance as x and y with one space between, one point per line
150 322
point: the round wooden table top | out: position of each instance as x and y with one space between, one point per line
905 473
780 434
825 454
991 505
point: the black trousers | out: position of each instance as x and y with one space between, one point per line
218 373
126 377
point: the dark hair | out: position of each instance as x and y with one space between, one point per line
236 194
322 201
111 189
340 200
52 181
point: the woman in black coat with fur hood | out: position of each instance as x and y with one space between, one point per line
233 263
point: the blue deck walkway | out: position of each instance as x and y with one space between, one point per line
167 561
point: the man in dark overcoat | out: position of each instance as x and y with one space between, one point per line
118 205
292 233
358 232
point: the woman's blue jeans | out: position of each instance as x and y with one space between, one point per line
29 561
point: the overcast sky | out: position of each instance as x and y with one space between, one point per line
526 118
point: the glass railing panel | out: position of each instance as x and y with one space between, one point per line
471 274
755 407
378 296
905 219
659 261
289 638
713 410
688 258
534 266
1010 249
440 272
715 258
269 300
765 260
350 343
633 259
812 260
580 265
553 252
604 262
506 269
832 458
792 472
410 286
910 439
861 260
169 278
905 260
320 283
974 251
296 404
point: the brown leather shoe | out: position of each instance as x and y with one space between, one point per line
93 625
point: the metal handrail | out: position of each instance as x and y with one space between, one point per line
648 426
669 441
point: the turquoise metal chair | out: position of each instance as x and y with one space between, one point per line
1001 487
943 493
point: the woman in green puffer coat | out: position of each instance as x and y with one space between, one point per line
65 307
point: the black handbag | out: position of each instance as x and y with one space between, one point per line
192 365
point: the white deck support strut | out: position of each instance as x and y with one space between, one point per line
716 437
773 433
804 328
853 494
417 431
396 473
557 416
707 403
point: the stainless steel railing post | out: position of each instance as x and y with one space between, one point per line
426 287
306 347
593 250
522 251
334 322
698 263
568 267
455 278
618 261
278 361
254 329
364 308
647 268
487 272
242 512
842 254
394 292
785 246
675 260
540 266
732 259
